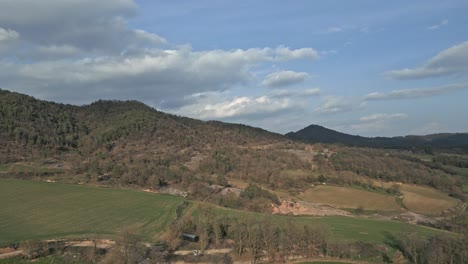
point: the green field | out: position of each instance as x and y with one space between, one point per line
348 197
40 210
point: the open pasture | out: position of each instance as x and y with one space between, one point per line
40 210
426 200
347 197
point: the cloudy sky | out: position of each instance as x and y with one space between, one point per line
362 67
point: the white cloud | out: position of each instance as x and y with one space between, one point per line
328 52
380 117
284 78
7 39
337 104
285 53
376 123
78 51
367 127
152 38
8 35
334 29
439 25
85 24
169 73
429 128
415 93
296 93
215 106
58 51
32 12
453 60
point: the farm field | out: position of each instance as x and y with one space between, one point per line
421 199
347 197
342 229
40 210
425 200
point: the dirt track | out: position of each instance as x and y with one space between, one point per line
206 252
12 254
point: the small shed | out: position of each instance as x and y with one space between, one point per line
190 237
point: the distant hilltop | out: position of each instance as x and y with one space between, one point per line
445 141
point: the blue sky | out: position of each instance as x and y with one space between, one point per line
373 68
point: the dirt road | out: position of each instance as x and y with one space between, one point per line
12 254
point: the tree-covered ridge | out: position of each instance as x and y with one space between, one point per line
457 142
30 123
30 127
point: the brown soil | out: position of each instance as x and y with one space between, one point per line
6 250
306 208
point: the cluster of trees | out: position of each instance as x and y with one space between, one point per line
268 240
32 122
454 160
252 198
435 249
252 238
378 164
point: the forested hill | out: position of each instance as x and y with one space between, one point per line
446 141
126 143
30 124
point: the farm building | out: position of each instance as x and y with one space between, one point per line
190 237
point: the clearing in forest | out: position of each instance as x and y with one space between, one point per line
425 200
347 197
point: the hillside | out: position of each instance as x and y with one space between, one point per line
134 143
457 142
148 213
218 168
128 144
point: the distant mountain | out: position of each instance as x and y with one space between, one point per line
445 141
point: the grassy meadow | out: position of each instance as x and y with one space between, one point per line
423 200
426 200
347 197
40 210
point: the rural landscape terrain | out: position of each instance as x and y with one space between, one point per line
233 132
120 181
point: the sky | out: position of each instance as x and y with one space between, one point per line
366 67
